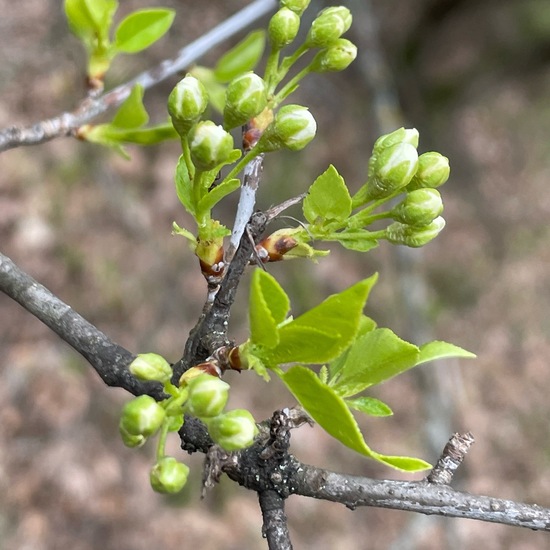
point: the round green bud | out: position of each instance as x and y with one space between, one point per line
283 28
293 128
141 416
210 145
168 476
336 57
245 97
433 171
415 237
207 396
233 430
420 207
401 135
186 103
130 440
391 170
328 26
150 366
297 6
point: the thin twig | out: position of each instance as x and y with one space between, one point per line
66 123
275 526
110 360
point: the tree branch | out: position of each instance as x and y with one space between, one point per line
91 107
275 527
110 360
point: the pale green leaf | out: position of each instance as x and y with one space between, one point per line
184 186
328 199
441 350
142 28
177 230
355 239
148 136
242 58
330 411
132 113
217 194
370 406
276 298
263 328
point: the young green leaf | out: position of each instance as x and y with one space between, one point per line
355 239
263 327
370 406
146 136
441 350
373 358
184 186
276 298
330 411
90 19
132 113
217 194
142 28
242 58
177 230
328 199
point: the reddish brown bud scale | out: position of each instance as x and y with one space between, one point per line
276 247
213 271
234 359
210 367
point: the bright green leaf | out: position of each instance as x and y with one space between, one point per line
328 198
257 365
217 194
370 406
80 21
330 411
142 28
441 350
373 358
177 230
132 113
355 239
149 136
242 58
276 298
300 344
263 327
184 186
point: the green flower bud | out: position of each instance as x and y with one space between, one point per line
329 25
168 476
283 28
336 57
233 430
245 97
186 103
433 171
297 6
130 440
391 170
402 135
141 416
415 237
210 145
420 208
293 128
207 396
150 366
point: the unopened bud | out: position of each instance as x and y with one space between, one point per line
419 207
392 170
336 57
293 128
130 440
186 103
141 416
233 430
150 366
210 145
207 396
274 247
401 135
415 237
208 367
283 28
297 6
168 476
245 97
433 171
328 26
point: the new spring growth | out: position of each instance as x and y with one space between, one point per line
245 97
233 430
420 208
186 103
328 26
283 28
207 396
297 6
141 416
413 236
433 171
168 476
336 57
210 145
293 128
150 366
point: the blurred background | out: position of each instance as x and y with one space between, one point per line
474 78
